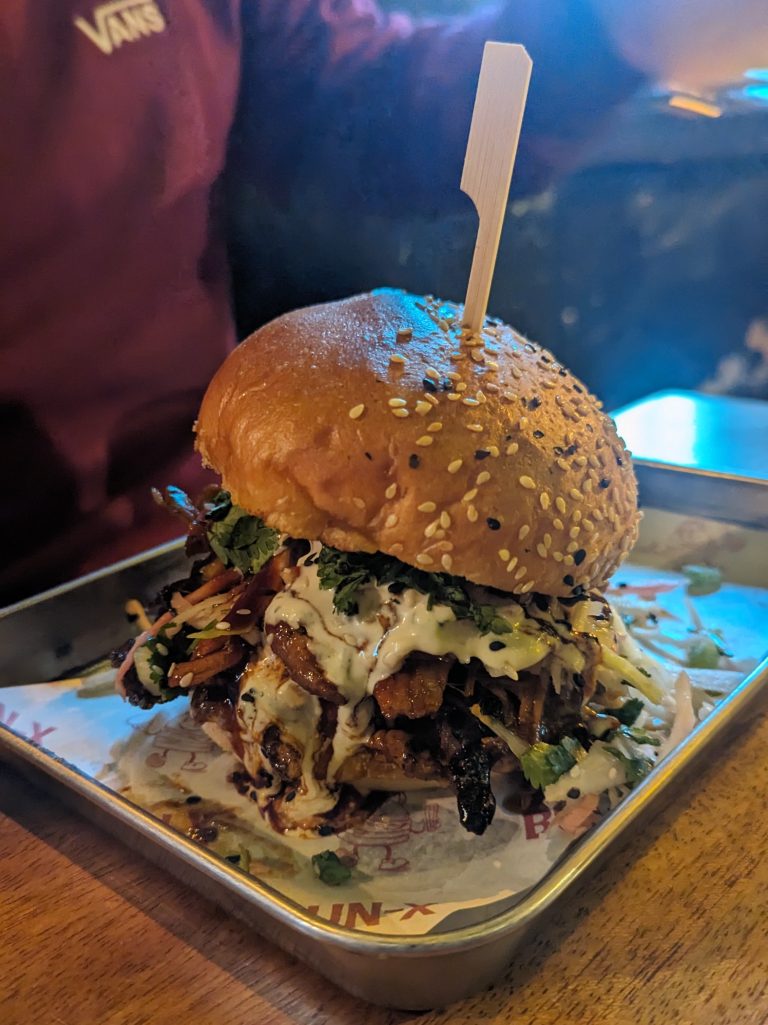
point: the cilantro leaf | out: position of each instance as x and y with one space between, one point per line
703 579
543 764
329 869
237 538
628 712
347 573
635 769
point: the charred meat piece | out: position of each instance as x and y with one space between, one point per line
292 648
391 754
216 703
416 690
469 766
326 729
206 663
284 758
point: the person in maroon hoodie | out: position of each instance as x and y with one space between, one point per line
118 121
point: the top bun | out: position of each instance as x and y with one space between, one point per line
378 424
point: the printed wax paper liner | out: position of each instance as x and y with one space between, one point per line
415 870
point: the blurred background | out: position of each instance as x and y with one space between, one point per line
644 267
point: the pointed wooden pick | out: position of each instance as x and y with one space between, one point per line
493 136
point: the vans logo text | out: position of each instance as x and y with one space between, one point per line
122 21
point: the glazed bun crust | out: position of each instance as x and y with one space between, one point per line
377 424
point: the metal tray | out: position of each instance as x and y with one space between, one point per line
45 636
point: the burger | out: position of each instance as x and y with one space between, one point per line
399 582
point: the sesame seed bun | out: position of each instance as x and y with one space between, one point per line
375 424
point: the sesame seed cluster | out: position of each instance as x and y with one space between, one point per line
479 455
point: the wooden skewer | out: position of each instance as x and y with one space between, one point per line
493 135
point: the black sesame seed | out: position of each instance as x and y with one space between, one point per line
248 696
571 449
481 453
193 799
563 372
541 602
568 580
234 858
497 645
508 437
573 793
429 385
493 523
538 434
604 483
558 450
619 461
369 456
577 388
545 359
579 557
579 680
290 795
447 384
534 403
324 830
414 461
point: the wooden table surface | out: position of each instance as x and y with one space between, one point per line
674 929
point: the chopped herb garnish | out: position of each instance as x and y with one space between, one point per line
703 579
635 769
627 714
329 869
347 573
237 538
703 653
544 764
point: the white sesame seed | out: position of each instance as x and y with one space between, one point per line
576 494
423 407
541 550
480 397
492 364
576 516
547 540
423 559
391 520
468 401
453 396
491 387
512 448
504 554
396 358
561 506
440 533
469 495
597 514
544 500
430 529
523 532
399 412
430 399
424 440
561 463
472 514
557 556
358 502
455 466
574 531
512 563
523 422
477 428
588 525
494 450
572 546
432 373
482 477
521 573
396 547
568 560
426 507
445 519
357 411
434 427
391 491
243 612
527 482
526 587
461 386
223 625
397 402
558 524
186 679
453 376
446 562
